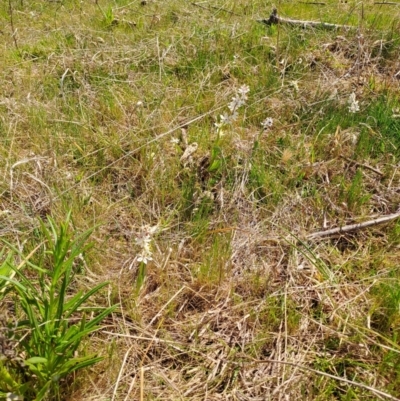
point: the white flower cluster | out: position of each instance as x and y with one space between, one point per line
353 103
267 123
240 99
237 101
143 240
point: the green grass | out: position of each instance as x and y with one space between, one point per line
101 102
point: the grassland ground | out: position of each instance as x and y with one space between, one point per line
206 148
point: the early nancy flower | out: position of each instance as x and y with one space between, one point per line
240 99
226 119
244 90
267 123
353 103
237 101
143 240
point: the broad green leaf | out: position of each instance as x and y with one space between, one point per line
36 359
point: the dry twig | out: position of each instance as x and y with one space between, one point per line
14 31
275 19
362 165
353 227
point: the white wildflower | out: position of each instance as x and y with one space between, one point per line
237 101
353 103
144 257
240 99
224 119
267 123
143 240
294 85
244 90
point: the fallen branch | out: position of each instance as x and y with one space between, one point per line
353 227
275 19
376 171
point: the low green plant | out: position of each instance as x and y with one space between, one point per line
52 318
354 196
109 18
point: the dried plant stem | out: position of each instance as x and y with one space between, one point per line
160 311
120 373
353 227
141 383
13 30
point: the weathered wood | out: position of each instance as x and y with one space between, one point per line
275 19
354 227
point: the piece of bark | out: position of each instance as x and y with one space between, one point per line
353 227
275 19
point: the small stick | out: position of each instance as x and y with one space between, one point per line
352 227
362 165
14 31
313 2
274 19
390 3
